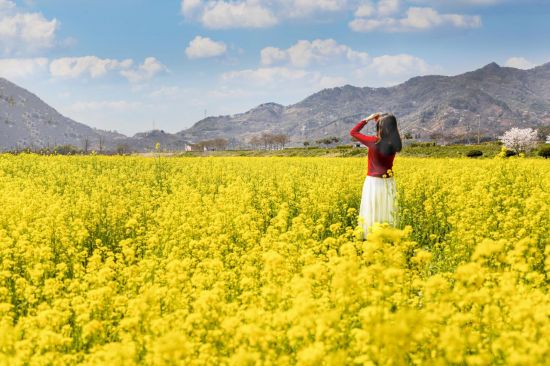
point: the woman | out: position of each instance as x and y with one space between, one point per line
378 199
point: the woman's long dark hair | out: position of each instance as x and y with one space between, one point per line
389 139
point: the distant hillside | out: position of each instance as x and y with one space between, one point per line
145 141
26 121
493 98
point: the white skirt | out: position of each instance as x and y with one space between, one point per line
378 203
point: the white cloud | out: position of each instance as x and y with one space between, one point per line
248 14
146 71
368 25
168 92
6 6
92 66
460 2
301 8
273 55
224 92
303 66
265 75
519 63
224 14
332 81
369 14
304 53
95 67
117 105
204 47
22 32
365 9
416 19
388 7
383 8
389 70
17 68
424 18
274 78
188 7
482 2
403 64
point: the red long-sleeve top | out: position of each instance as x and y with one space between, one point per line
378 163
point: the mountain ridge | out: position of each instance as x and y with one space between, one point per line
487 101
493 97
27 121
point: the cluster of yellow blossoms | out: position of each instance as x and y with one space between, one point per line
242 261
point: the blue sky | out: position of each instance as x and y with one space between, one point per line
131 65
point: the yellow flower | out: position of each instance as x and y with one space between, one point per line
239 261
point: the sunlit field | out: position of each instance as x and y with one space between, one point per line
242 261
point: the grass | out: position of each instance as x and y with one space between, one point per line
490 150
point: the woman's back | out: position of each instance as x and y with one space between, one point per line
381 151
378 163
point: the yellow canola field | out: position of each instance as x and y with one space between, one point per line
241 261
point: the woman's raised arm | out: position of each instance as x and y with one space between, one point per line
356 131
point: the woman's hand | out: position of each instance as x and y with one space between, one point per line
373 116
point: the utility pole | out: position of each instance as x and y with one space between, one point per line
442 136
469 131
478 127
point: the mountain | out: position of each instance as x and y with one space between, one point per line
146 141
492 98
27 121
265 117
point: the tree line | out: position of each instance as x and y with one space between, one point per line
213 144
269 141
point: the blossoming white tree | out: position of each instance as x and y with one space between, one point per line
548 139
519 139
